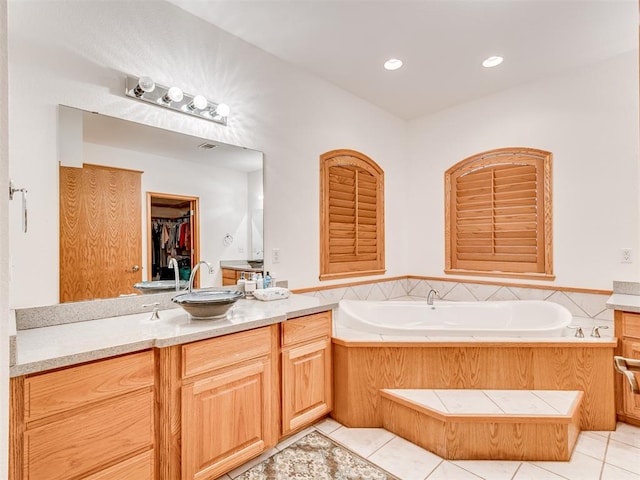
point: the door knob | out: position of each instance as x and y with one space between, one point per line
135 268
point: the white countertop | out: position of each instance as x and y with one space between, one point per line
44 348
625 302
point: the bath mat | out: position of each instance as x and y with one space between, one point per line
315 457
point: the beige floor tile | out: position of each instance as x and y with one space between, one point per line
449 471
628 434
611 472
531 472
623 456
405 460
327 425
363 441
581 467
592 444
293 438
494 470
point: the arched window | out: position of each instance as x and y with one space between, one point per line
498 214
351 215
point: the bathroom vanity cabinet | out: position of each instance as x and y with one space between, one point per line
228 397
93 421
188 411
230 276
627 329
306 371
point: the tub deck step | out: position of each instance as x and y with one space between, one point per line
486 424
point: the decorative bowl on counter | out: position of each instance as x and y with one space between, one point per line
158 286
207 304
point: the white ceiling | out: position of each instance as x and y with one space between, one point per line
442 42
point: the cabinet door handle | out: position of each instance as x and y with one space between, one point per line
627 366
135 268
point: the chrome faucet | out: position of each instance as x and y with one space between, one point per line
176 272
432 293
195 269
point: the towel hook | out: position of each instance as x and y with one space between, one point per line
12 191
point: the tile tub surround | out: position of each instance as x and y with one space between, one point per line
597 456
44 348
581 303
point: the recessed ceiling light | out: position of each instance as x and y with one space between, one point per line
393 64
492 61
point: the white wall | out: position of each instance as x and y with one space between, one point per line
256 215
222 194
588 119
4 247
78 53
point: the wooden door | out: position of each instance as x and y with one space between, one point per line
225 419
306 384
100 232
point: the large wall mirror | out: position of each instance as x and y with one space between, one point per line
132 197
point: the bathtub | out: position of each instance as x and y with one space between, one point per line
520 318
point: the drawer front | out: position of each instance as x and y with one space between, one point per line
140 467
306 328
81 443
206 355
55 392
631 325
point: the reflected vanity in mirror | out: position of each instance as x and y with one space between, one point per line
133 197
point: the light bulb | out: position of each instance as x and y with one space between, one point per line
174 94
493 61
223 110
145 84
199 102
393 64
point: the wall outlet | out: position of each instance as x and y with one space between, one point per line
625 255
275 255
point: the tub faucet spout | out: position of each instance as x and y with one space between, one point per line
432 293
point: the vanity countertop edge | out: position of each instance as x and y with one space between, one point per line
49 347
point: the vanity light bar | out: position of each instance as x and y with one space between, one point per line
173 98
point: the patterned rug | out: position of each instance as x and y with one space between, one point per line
315 457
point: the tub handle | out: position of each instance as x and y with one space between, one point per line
596 330
627 366
578 329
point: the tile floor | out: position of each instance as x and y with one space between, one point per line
597 456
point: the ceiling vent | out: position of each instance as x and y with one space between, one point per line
207 146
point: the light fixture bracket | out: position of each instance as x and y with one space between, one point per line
154 97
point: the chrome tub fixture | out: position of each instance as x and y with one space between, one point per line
173 98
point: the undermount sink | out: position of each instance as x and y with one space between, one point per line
255 263
207 304
157 286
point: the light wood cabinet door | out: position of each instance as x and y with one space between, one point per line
226 419
229 277
72 446
306 384
631 349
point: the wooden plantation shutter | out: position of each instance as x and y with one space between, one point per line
351 215
498 214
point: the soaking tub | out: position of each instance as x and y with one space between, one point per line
520 318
